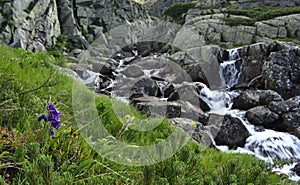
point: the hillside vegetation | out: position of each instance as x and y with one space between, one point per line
30 155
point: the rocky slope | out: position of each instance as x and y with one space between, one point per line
213 27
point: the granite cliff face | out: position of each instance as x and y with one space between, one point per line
35 25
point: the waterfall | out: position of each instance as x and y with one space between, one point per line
265 144
219 102
229 71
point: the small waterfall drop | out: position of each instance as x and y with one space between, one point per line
229 71
219 102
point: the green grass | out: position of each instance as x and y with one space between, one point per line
177 10
29 155
236 21
264 13
292 40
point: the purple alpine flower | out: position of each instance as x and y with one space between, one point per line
53 117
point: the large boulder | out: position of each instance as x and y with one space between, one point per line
196 73
291 121
193 112
195 129
281 107
262 116
231 131
202 64
253 59
132 71
146 86
190 93
296 169
289 112
281 72
253 98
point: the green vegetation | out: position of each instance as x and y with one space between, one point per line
264 13
63 44
292 40
236 21
177 11
29 155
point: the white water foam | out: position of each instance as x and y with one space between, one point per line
228 69
218 101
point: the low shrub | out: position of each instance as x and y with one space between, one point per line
177 11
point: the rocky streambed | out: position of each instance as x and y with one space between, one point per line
240 100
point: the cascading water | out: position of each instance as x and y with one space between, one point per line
218 102
265 144
229 71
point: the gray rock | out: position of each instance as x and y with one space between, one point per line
281 72
193 112
281 107
291 121
170 89
195 129
156 108
190 93
262 116
156 8
132 71
146 86
196 74
238 34
246 101
266 30
230 131
252 98
66 17
34 25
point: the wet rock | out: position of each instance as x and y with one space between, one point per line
196 74
296 169
140 98
252 98
169 90
246 100
281 72
174 96
132 71
262 116
230 132
281 107
103 82
101 67
291 121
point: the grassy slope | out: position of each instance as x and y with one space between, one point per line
28 155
